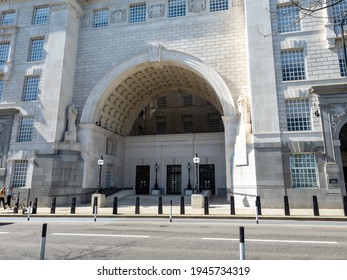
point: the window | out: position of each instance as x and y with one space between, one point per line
303 170
8 17
41 15
161 102
26 127
1 88
187 100
187 124
342 62
160 125
214 122
31 88
293 65
109 172
4 52
20 173
100 18
298 114
337 12
176 8
36 49
288 18
218 5
137 12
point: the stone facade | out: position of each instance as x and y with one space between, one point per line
104 62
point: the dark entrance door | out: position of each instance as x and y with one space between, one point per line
142 179
174 179
343 141
206 177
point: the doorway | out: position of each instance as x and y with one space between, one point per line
206 178
174 179
142 179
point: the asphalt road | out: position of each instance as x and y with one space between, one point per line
158 239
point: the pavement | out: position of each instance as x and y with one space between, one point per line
219 208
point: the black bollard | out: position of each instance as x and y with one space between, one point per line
35 206
258 204
73 206
137 205
43 242
206 205
345 205
170 211
315 206
286 206
242 243
16 205
54 201
95 205
160 205
115 205
232 205
182 209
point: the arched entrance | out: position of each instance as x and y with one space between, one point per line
117 101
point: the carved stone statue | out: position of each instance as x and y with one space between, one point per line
242 104
72 116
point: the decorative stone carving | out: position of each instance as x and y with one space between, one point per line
71 133
156 11
196 6
154 52
337 113
118 16
85 21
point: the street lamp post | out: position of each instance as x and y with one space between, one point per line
101 162
196 160
156 187
189 186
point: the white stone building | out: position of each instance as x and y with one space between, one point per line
78 78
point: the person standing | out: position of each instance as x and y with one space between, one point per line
9 196
2 196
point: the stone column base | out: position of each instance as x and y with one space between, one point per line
101 199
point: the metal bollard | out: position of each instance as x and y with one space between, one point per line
73 206
286 206
137 205
182 208
315 206
16 205
206 212
115 205
160 205
170 211
232 205
242 244
53 205
35 206
43 242
258 204
29 209
345 205
95 207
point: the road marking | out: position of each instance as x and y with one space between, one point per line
4 232
100 235
273 240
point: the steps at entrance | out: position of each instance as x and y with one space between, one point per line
149 200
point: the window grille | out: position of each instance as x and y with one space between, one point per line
288 18
36 49
187 100
31 88
293 65
160 123
100 18
303 170
109 172
1 89
161 102
219 5
342 62
8 18
298 114
20 173
187 124
176 8
4 52
26 127
41 14
137 13
214 122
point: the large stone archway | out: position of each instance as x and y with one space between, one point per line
116 100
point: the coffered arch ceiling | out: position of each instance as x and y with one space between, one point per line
121 105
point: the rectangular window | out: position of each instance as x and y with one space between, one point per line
1 89
109 179
41 14
36 49
337 12
342 62
4 52
26 127
100 18
187 124
219 5
293 65
303 170
31 88
214 122
160 102
20 173
187 100
8 17
288 18
176 8
160 125
298 114
137 12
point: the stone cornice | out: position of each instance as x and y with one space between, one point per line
329 89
